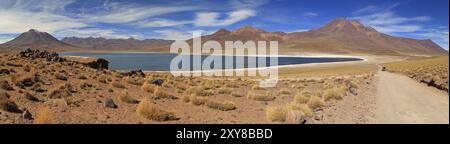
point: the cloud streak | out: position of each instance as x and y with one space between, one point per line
213 18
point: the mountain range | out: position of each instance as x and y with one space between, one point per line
340 36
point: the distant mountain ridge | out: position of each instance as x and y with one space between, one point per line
36 40
116 44
340 36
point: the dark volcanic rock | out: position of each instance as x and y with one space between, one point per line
158 82
110 103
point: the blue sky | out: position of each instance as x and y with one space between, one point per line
171 19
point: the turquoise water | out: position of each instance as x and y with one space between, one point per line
161 61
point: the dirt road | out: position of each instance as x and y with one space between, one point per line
400 99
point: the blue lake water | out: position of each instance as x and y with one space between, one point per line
161 61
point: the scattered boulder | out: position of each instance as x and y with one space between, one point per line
61 76
95 63
61 91
134 73
157 82
8 105
295 117
27 115
34 54
6 85
318 115
30 97
110 103
4 94
353 91
38 88
4 71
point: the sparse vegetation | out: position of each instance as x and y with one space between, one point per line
260 95
126 98
315 102
223 106
276 113
149 110
160 93
148 87
6 104
303 97
301 107
432 71
118 84
61 91
334 93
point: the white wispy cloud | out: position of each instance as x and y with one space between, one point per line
21 21
132 13
311 14
18 16
172 34
241 4
385 20
213 18
161 23
92 32
389 18
439 35
300 30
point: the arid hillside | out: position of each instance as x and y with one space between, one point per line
41 87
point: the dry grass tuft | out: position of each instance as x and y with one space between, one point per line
199 91
24 81
197 100
257 87
126 98
148 87
149 110
334 93
301 107
159 93
61 91
118 84
224 91
237 94
259 95
133 81
303 97
223 106
103 79
276 113
315 102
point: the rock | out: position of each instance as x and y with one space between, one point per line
30 97
27 115
38 88
134 73
318 115
61 76
353 91
4 72
4 95
110 103
8 105
157 82
34 54
6 85
295 117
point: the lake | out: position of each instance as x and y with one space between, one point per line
161 61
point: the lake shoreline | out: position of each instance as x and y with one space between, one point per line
318 56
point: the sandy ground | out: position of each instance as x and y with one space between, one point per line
400 99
